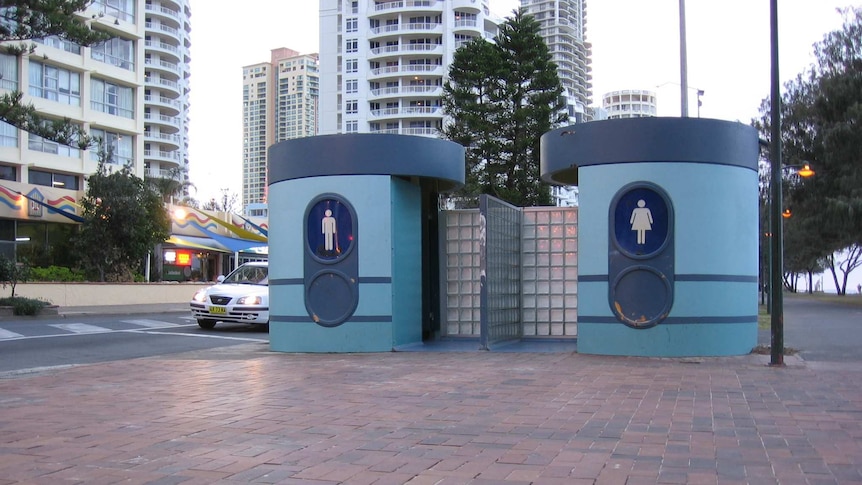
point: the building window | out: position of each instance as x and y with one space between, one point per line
38 144
52 179
351 126
8 172
351 86
351 65
118 52
352 107
112 98
121 9
352 25
8 135
56 84
352 45
8 72
121 145
62 44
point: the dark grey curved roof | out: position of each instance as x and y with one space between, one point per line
634 140
369 154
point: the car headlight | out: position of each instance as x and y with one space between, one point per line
249 300
200 296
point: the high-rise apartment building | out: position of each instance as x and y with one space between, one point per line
629 103
279 102
383 63
130 91
563 26
166 47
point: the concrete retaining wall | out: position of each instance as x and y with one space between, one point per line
89 294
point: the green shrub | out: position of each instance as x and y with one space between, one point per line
23 306
56 273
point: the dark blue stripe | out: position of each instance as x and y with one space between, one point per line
592 278
676 320
375 279
307 319
286 281
301 281
728 278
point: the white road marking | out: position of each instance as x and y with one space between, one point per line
223 337
6 335
80 328
151 323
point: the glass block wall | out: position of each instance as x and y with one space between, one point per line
501 307
461 273
550 271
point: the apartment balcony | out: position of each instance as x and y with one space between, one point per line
470 6
165 12
413 69
404 49
468 26
166 123
163 139
166 105
166 67
408 28
404 91
166 50
164 173
163 156
413 112
164 85
165 30
398 6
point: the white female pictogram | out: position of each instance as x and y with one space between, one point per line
329 230
641 221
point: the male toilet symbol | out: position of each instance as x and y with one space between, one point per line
329 230
641 221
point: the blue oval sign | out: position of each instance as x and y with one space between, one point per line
641 221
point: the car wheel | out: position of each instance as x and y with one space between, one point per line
207 324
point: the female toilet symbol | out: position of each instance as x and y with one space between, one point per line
641 221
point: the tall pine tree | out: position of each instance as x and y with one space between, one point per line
500 98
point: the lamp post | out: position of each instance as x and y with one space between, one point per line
777 246
683 62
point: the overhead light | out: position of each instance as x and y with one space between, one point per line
805 171
22 239
57 183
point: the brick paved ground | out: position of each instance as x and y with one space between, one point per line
245 415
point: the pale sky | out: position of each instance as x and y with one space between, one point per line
635 46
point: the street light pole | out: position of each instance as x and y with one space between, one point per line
777 240
683 62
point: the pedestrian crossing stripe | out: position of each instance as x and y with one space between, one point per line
83 328
150 323
6 334
80 328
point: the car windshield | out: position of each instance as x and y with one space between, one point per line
249 275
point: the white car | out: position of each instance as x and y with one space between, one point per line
241 297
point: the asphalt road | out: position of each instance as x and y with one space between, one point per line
821 331
36 344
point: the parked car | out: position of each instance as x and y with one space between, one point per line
240 297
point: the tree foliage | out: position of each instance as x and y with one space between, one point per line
500 98
821 124
25 20
227 202
124 220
